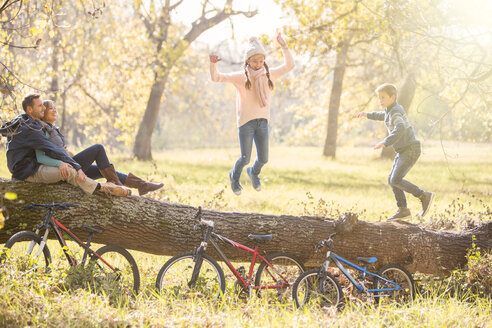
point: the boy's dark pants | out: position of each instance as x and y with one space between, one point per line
404 161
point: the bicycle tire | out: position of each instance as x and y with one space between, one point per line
402 277
306 290
289 266
128 276
16 245
175 274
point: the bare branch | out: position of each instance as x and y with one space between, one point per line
171 8
16 14
105 109
322 27
481 77
203 23
19 80
19 47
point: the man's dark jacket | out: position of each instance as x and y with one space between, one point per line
21 145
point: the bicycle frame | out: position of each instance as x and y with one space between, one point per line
51 222
210 236
338 260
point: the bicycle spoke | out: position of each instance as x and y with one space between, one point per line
278 281
309 290
22 252
399 275
174 278
115 272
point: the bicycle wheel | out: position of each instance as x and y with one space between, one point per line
284 265
307 290
22 249
116 270
175 274
399 275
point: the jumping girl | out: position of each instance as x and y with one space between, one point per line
254 87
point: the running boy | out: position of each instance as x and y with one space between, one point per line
402 138
254 87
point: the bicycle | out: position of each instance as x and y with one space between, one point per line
318 286
199 274
110 263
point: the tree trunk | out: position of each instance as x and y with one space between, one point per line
163 228
142 148
405 97
336 93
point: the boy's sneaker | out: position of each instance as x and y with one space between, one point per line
255 180
235 185
426 200
401 214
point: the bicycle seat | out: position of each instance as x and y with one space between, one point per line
367 260
261 237
92 229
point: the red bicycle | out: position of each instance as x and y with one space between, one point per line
109 264
196 273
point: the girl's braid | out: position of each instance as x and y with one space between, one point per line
248 82
270 83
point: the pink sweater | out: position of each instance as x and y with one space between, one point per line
247 104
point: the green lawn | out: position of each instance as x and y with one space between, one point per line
297 180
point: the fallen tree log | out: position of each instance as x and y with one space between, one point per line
164 228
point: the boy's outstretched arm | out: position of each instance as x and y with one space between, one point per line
379 145
361 114
376 116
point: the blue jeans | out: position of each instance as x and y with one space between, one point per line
95 153
402 164
256 130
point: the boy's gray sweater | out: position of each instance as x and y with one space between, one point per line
401 134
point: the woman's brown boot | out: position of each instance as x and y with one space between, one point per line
110 175
143 186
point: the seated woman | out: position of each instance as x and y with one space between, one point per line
96 153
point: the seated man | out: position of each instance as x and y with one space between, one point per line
21 156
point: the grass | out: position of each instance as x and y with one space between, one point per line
296 181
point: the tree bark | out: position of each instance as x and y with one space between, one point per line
163 228
336 93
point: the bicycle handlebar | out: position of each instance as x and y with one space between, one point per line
60 206
328 242
202 221
209 223
198 213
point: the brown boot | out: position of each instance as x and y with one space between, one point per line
143 186
110 175
112 189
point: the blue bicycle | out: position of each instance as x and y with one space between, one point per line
392 283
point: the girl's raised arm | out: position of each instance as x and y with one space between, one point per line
217 76
288 64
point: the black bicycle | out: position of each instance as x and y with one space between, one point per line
196 273
109 264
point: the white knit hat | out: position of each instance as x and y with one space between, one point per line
254 48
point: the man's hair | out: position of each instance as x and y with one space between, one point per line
387 88
29 100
